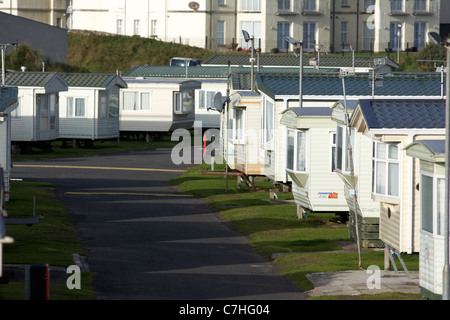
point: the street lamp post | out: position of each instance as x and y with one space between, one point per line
399 33
300 55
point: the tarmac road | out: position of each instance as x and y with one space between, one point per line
148 242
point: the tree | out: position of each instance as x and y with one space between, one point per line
430 52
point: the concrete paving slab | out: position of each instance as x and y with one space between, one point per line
362 282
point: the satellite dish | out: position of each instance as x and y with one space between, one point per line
219 101
194 5
436 38
246 36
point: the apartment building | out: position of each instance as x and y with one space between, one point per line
52 12
328 25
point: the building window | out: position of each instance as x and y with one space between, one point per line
254 29
385 166
309 5
267 121
220 32
283 30
396 5
344 32
419 34
395 36
251 5
296 150
221 2
368 37
137 27
420 5
119 26
76 107
154 27
309 36
342 153
344 3
136 101
368 4
284 5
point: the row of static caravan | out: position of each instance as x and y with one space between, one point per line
299 145
95 106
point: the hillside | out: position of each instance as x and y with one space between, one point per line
109 53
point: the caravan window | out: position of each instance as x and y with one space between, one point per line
136 101
267 121
206 99
432 201
76 107
385 166
183 102
342 151
296 150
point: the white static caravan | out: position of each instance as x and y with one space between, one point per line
311 136
431 154
392 124
8 103
89 110
367 208
37 117
157 104
243 133
205 102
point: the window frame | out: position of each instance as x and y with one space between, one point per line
138 100
386 177
251 5
50 117
267 125
180 99
437 188
298 158
72 108
342 154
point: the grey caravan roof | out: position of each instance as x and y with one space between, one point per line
403 114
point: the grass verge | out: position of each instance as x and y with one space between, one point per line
52 241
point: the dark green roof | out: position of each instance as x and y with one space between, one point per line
212 71
281 59
91 80
28 79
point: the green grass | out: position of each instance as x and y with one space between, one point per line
52 241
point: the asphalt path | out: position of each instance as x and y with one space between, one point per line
146 241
